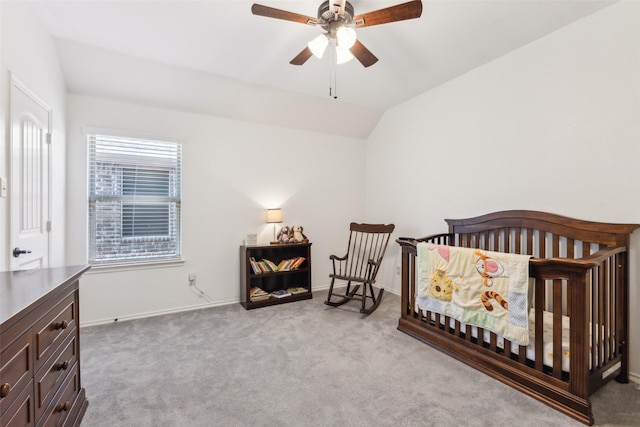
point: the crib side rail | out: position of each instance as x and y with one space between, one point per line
592 291
597 295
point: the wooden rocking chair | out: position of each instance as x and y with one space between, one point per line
367 245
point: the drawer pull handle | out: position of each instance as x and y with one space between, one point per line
5 389
63 365
63 407
61 325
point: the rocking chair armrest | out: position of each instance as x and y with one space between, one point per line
374 262
340 262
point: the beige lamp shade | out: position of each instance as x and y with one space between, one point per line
274 215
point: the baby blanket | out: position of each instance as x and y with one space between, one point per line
482 288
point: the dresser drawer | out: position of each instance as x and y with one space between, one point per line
53 328
62 403
20 412
53 373
15 371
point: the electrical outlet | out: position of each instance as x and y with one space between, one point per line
398 270
192 278
3 187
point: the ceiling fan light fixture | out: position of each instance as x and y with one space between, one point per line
346 36
343 55
318 45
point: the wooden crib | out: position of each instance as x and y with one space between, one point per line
579 272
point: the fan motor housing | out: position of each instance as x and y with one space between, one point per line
325 13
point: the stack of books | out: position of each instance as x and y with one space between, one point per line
258 294
262 266
297 290
290 264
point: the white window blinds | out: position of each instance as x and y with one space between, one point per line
134 199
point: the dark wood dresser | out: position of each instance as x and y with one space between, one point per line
40 348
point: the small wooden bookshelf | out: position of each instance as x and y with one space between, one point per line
257 270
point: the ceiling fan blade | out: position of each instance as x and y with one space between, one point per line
270 12
400 12
302 57
363 54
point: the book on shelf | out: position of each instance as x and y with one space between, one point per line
264 268
281 293
270 265
290 264
258 294
254 266
297 262
297 290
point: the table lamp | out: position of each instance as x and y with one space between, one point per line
274 216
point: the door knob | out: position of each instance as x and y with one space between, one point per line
17 252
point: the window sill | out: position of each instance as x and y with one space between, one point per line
138 265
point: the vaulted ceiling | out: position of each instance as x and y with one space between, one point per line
216 57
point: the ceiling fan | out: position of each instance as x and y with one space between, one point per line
337 19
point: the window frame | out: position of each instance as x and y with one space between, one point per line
101 142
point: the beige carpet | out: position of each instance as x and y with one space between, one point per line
298 364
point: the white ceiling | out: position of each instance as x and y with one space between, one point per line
216 57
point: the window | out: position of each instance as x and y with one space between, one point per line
134 200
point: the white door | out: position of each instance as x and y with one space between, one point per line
30 180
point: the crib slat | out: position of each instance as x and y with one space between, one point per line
522 354
412 294
608 331
493 240
603 315
557 328
612 309
507 348
571 245
539 323
621 315
517 248
594 316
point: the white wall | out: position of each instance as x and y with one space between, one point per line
232 172
27 51
553 126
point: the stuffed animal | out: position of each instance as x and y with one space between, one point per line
297 235
284 235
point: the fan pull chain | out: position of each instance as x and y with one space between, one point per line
333 62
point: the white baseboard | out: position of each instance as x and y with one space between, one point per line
157 313
181 309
